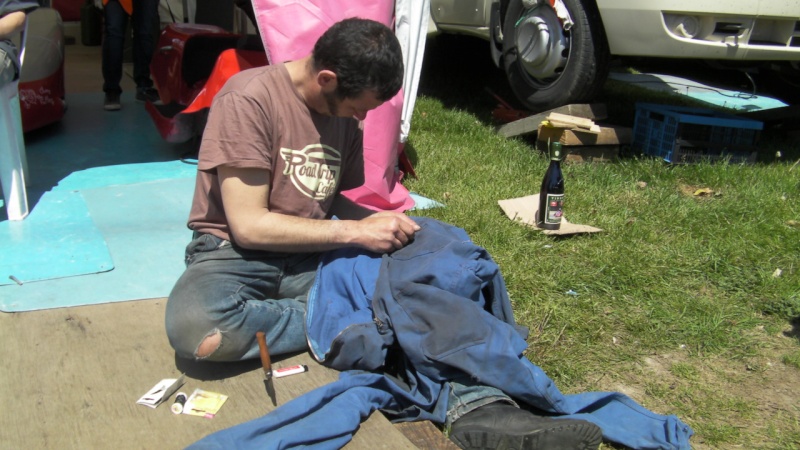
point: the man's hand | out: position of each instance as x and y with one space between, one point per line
386 231
245 194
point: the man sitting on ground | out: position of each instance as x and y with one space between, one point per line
280 144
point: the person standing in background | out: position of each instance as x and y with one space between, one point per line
144 21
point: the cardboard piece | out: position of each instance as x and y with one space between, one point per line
592 154
524 210
608 135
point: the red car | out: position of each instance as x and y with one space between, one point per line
191 63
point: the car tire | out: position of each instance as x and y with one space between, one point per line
581 55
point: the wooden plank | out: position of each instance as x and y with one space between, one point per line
530 124
570 120
426 436
70 378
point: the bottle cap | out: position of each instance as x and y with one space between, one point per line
555 150
180 400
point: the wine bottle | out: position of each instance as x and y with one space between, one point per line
551 195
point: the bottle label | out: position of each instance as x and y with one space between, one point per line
554 211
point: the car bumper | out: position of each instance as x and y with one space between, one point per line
726 30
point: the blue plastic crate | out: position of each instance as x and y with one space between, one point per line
681 134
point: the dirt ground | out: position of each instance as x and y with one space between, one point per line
754 402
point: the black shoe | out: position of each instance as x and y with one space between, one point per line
148 94
111 102
502 425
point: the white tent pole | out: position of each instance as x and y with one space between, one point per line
411 25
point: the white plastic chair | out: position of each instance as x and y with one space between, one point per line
13 160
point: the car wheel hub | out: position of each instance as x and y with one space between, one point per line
541 44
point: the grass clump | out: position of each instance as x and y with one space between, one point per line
694 262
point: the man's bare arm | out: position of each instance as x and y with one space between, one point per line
245 194
11 23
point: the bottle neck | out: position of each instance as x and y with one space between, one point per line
555 151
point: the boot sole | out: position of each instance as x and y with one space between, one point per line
585 436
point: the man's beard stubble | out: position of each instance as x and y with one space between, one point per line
332 100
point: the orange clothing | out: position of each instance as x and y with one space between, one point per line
127 5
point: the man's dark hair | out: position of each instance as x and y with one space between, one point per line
364 55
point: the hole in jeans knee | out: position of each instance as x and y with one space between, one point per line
209 344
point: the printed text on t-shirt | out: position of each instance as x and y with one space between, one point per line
314 170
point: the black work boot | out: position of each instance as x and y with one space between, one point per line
500 425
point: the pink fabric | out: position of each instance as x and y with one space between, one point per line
289 29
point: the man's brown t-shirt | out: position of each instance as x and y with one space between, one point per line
259 120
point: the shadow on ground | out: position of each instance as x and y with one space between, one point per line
459 71
205 370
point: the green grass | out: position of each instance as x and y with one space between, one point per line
685 302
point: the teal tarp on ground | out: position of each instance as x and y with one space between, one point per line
98 182
143 226
58 239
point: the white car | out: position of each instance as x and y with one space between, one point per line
556 52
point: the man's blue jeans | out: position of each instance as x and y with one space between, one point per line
466 395
144 22
237 292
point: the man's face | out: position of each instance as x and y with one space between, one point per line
351 107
